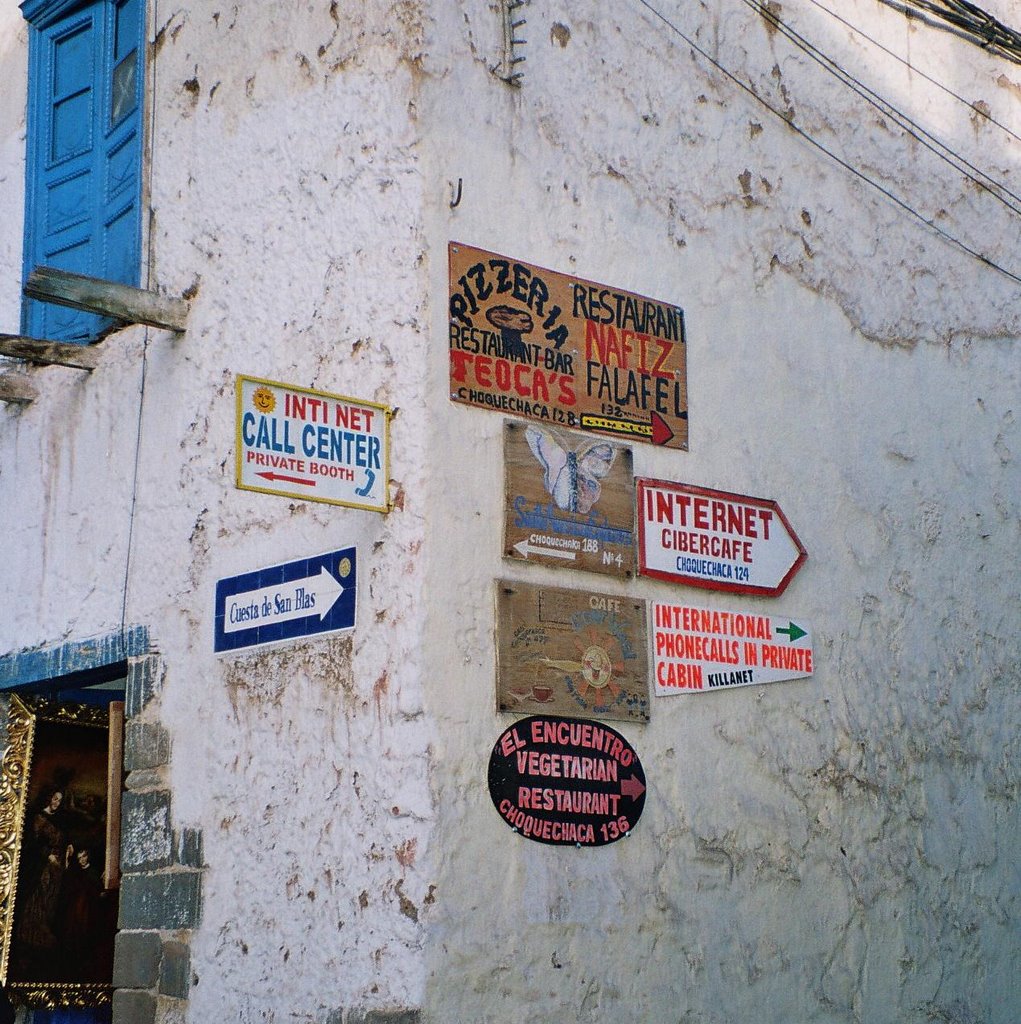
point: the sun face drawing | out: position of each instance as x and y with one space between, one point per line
263 400
596 668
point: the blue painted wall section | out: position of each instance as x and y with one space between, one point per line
77 662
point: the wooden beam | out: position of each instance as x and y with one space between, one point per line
120 301
114 789
49 353
16 388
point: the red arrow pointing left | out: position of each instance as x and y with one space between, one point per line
289 479
632 787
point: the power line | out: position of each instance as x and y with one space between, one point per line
968 21
915 70
915 130
956 242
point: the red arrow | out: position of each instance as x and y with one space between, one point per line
661 432
289 479
632 787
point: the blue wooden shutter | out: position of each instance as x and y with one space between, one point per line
121 155
83 194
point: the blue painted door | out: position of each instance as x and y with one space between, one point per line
84 160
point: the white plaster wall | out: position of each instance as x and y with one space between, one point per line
831 850
287 192
286 202
14 59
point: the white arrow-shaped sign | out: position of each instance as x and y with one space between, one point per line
524 549
715 539
297 599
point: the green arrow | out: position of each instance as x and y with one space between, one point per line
794 632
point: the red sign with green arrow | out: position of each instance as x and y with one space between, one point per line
699 649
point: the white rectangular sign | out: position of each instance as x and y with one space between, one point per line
312 445
700 649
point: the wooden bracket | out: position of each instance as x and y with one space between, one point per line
17 388
49 353
120 301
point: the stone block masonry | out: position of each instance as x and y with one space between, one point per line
132 1007
166 900
145 679
147 840
175 970
381 1016
136 960
161 884
146 745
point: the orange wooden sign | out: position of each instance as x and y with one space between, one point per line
547 346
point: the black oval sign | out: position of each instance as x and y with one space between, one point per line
566 782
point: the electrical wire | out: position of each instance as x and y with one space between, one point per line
150 247
969 21
745 87
915 130
916 70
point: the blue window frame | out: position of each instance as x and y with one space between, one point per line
84 153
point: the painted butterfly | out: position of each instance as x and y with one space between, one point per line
572 476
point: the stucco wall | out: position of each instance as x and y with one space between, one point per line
837 849
14 59
286 189
286 204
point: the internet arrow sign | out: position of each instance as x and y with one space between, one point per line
284 602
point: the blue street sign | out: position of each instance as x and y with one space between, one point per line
284 602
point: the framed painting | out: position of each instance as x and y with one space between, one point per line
58 909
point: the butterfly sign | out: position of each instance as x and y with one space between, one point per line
569 500
571 475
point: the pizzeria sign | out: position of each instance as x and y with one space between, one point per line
568 352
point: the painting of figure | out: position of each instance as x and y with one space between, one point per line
64 918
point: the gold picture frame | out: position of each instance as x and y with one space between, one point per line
57 918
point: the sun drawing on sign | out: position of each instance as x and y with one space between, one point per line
595 671
263 400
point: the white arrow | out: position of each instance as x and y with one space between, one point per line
298 599
525 549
